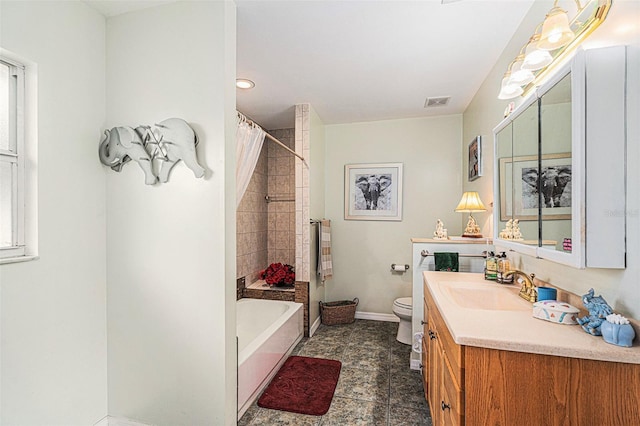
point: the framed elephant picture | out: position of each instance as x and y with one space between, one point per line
520 194
373 191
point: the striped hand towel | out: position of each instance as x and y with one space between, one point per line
325 266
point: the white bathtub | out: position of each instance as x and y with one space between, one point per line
267 331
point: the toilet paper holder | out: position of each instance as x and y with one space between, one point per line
399 268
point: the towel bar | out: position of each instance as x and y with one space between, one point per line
425 253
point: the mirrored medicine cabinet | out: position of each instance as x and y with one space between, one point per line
559 175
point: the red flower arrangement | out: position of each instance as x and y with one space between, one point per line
279 274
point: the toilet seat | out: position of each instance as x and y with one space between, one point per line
404 302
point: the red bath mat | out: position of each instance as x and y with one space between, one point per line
302 385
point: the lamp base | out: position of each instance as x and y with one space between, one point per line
472 235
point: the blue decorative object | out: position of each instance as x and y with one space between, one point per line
617 331
598 310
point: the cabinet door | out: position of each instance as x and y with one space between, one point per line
434 359
452 399
425 353
425 369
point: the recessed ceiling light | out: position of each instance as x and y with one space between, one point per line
243 83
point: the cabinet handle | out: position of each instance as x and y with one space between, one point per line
432 335
422 322
444 406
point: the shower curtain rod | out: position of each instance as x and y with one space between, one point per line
248 120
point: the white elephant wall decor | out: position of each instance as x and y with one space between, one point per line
168 142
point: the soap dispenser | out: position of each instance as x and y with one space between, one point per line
504 266
490 267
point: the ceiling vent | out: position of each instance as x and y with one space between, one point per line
437 102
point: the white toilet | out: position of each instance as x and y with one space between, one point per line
403 309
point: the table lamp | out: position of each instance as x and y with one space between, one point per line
470 203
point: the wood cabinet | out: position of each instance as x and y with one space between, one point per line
444 372
467 385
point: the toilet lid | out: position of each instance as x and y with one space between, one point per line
404 302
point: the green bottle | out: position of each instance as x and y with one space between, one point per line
491 267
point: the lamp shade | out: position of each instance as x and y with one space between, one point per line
470 202
534 58
509 90
555 30
519 75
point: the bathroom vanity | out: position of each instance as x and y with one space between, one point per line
486 360
472 253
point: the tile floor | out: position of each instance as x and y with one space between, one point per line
376 386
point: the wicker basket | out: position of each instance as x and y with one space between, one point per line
341 312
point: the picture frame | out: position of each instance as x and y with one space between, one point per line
523 196
373 191
475 158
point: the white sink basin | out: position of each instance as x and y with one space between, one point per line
484 297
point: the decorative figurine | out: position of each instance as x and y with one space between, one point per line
516 235
511 231
440 232
168 142
472 227
598 311
616 330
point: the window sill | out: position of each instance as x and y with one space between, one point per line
18 259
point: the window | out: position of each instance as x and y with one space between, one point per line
12 159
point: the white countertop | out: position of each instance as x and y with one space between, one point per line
516 329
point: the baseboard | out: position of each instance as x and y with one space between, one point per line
118 421
315 326
374 316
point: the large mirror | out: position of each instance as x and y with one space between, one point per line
571 133
524 170
555 173
516 148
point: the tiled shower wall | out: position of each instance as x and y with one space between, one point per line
266 232
303 228
251 217
281 222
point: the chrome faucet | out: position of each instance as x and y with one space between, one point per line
528 291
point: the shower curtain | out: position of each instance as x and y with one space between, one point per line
249 140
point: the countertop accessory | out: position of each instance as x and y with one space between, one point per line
547 293
617 331
598 310
440 233
554 311
469 203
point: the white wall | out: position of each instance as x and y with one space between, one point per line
621 288
53 310
171 278
363 251
316 207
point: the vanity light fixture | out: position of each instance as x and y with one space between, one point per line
556 31
535 58
469 203
553 40
520 76
508 89
243 83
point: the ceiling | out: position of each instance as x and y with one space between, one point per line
367 60
361 60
